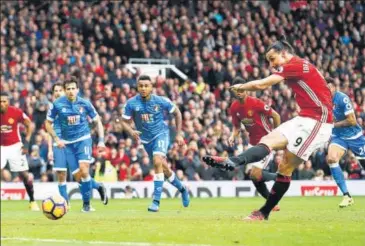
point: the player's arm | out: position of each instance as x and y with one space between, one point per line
100 129
127 126
276 118
178 119
127 122
260 84
28 129
50 130
50 147
51 116
91 111
349 121
28 133
236 131
349 112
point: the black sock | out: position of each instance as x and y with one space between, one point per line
267 176
347 194
281 185
262 189
87 203
254 154
29 188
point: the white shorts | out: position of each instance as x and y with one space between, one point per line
305 135
263 164
13 154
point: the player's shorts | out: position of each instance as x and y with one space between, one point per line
13 154
80 151
158 146
305 135
59 156
357 146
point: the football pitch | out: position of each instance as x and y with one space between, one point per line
301 221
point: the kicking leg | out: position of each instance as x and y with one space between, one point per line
273 141
335 153
259 174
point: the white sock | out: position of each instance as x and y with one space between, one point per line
172 177
159 177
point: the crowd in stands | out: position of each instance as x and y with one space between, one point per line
212 42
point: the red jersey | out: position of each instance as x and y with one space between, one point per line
310 88
256 110
10 125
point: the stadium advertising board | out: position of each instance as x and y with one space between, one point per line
122 190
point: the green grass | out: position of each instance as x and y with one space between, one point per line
301 221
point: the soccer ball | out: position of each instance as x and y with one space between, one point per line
54 207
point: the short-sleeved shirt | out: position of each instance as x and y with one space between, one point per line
10 125
73 118
256 110
342 107
310 89
149 115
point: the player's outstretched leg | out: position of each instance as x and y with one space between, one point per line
264 192
280 187
101 189
174 180
62 186
338 176
86 190
254 154
158 186
335 153
28 183
259 176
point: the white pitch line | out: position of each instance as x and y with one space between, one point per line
71 241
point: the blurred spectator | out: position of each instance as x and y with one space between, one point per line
37 165
305 171
105 171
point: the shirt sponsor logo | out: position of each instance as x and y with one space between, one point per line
10 121
250 113
6 129
73 119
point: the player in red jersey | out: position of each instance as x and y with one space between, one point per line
254 115
300 136
12 149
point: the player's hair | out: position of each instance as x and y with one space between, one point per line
238 80
330 80
72 80
56 84
281 45
4 94
144 77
